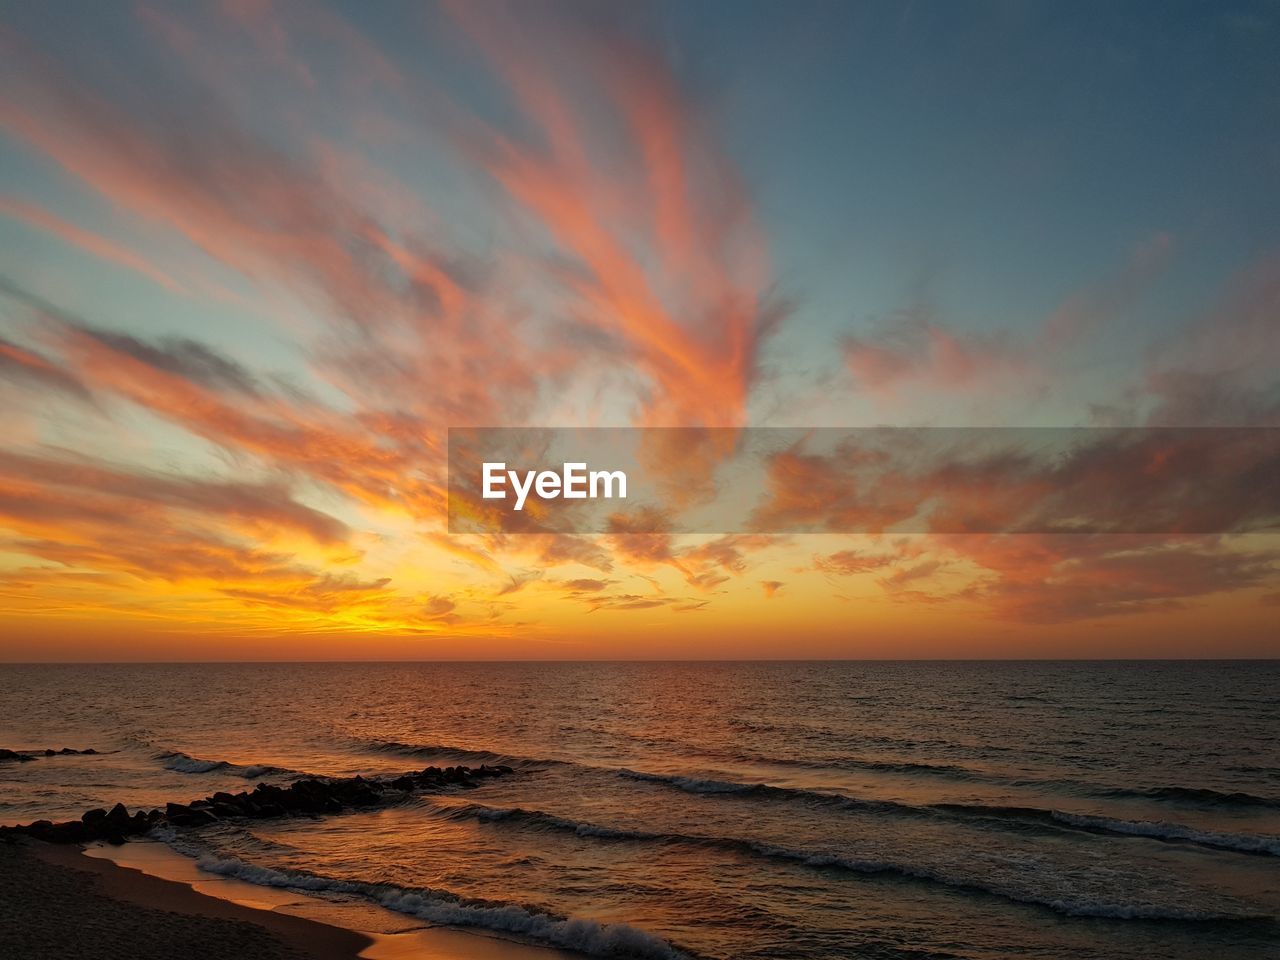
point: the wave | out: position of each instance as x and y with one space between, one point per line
838 861
1092 823
1072 907
1162 830
1006 817
1001 816
1200 796
430 750
181 762
537 818
1177 795
443 907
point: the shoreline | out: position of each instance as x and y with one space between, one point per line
143 901
60 902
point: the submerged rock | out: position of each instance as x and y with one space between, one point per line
19 756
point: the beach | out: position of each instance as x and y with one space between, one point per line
56 902
108 903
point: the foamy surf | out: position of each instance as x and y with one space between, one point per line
592 937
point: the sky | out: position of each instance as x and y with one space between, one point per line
260 256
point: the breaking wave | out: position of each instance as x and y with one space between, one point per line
438 906
429 751
185 763
1069 906
1000 816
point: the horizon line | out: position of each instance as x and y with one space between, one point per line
616 660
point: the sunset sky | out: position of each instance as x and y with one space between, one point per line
259 256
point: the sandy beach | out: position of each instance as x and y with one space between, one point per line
56 902
66 901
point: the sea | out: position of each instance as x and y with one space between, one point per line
727 811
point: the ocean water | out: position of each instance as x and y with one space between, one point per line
719 810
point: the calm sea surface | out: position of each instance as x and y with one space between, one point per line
750 810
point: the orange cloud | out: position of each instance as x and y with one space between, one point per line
692 324
86 240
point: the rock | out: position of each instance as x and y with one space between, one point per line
309 795
73 831
191 818
364 798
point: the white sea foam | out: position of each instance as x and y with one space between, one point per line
584 935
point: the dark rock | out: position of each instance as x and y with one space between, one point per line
192 818
306 796
365 798
119 817
73 831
